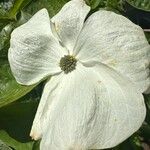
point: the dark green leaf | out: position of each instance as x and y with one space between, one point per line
17 117
147 34
132 143
111 5
13 143
23 18
10 90
53 6
4 16
4 39
137 15
36 145
3 146
145 131
141 4
8 16
147 102
17 7
6 32
95 3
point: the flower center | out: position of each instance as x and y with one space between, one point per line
68 63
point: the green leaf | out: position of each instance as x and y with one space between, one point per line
4 17
13 143
145 131
111 5
94 3
53 6
17 119
23 18
6 32
147 102
11 15
132 143
141 4
3 14
4 39
36 145
17 7
147 34
114 5
10 90
3 146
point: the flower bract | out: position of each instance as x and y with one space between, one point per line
96 68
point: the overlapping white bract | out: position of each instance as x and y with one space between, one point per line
99 104
69 22
34 51
117 42
97 109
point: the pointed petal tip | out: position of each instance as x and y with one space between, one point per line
80 1
44 10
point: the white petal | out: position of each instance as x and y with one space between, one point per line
34 52
96 108
69 21
114 40
48 95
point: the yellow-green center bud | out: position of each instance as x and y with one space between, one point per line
68 63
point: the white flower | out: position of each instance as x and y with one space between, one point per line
97 70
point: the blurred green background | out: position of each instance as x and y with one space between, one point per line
18 103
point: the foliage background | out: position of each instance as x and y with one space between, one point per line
16 116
